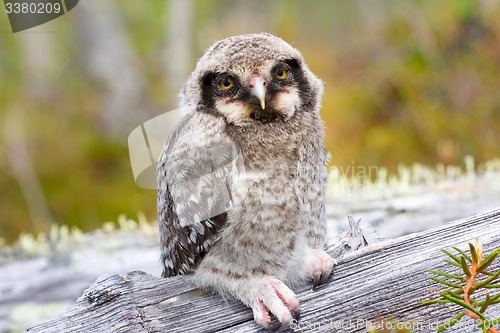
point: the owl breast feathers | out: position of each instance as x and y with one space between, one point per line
241 179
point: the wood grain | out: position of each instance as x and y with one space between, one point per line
387 279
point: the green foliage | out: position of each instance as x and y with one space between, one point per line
85 175
464 287
421 92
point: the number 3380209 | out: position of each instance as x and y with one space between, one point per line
32 8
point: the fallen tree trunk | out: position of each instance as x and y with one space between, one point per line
386 279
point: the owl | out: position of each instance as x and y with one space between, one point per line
241 179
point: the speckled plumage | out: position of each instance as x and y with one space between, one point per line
241 179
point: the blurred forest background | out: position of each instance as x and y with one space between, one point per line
405 82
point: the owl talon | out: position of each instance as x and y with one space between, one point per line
276 298
316 281
320 267
272 327
296 314
324 276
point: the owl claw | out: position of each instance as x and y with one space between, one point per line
316 280
320 278
320 267
296 314
278 299
272 327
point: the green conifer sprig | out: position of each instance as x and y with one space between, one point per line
464 286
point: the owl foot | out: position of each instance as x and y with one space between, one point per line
273 296
320 266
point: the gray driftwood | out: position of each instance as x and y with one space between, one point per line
387 279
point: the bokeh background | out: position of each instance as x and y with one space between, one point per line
405 82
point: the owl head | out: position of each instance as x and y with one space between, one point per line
251 79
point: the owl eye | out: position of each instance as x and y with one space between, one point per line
226 83
281 73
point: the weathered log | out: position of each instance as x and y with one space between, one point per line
387 279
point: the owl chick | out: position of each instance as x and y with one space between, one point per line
241 180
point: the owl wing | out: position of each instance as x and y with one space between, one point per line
194 191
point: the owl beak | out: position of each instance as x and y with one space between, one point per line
258 90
